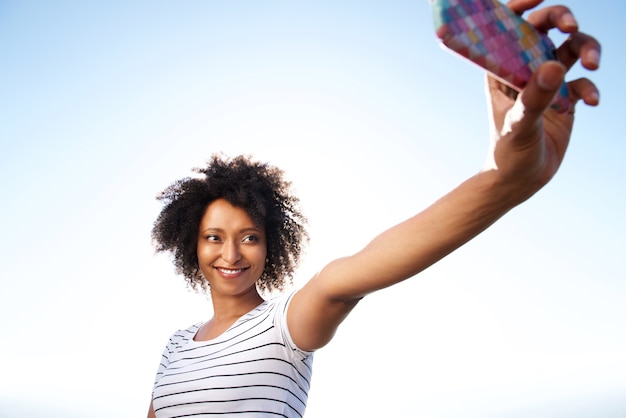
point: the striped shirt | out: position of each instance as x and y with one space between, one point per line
253 369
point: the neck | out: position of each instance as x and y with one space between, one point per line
226 308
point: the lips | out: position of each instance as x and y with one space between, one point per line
230 272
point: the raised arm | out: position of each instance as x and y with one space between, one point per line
528 144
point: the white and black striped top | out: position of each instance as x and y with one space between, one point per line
253 369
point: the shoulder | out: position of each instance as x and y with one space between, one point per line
183 336
278 304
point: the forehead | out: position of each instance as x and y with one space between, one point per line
221 213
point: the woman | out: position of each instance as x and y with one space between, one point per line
239 230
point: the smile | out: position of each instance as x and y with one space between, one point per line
230 271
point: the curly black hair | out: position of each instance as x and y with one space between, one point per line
256 187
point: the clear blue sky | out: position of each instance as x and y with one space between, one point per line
103 104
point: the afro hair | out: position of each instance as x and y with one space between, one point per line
256 187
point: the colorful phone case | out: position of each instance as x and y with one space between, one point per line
491 35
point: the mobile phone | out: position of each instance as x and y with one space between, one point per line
491 35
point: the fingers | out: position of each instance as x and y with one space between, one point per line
583 89
547 18
559 17
520 6
579 45
545 83
583 46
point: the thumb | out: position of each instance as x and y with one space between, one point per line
535 99
542 88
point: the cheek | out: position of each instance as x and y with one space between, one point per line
258 257
261 259
204 253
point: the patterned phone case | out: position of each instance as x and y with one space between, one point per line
491 35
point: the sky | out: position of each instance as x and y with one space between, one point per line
104 104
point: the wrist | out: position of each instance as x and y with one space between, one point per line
506 191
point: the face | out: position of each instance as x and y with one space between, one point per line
231 250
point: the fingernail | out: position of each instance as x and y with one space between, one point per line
569 20
547 81
594 57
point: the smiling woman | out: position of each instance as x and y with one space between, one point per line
257 187
104 104
233 232
231 256
238 230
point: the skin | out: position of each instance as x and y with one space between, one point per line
528 144
231 255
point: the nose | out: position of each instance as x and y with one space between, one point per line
230 252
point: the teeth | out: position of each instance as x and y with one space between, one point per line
228 271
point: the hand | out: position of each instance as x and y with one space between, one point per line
528 139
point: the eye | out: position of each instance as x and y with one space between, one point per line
251 238
212 237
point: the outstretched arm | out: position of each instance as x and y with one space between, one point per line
528 145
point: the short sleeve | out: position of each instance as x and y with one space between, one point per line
176 340
280 321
